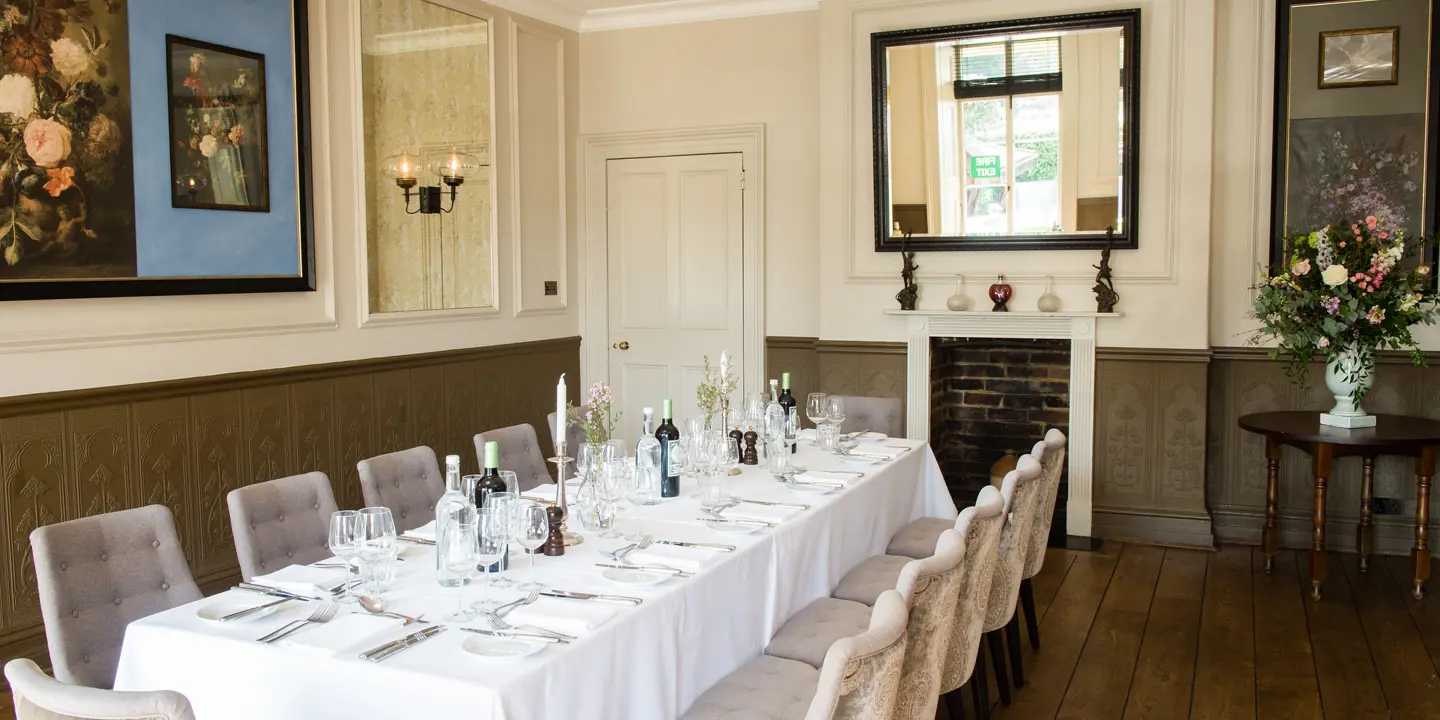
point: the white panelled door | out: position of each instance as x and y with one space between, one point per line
676 241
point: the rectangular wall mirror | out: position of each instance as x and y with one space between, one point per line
1013 135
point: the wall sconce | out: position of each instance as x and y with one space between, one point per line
452 168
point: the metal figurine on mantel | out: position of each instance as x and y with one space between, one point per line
1105 295
911 292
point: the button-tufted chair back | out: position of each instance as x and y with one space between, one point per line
981 525
933 587
95 576
860 678
1052 468
574 437
41 697
873 413
409 482
1021 490
519 452
282 522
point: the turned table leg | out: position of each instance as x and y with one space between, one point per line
1268 540
1424 470
1363 533
1322 457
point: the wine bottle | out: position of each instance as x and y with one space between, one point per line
491 482
669 438
451 504
647 458
787 402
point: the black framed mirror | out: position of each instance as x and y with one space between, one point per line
1012 135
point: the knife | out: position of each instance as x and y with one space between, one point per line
573 595
416 540
394 646
247 612
775 504
657 568
712 546
273 592
713 518
526 636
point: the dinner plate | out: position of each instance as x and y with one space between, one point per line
216 610
637 578
733 528
489 646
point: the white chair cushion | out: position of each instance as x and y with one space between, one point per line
808 635
766 688
917 540
870 578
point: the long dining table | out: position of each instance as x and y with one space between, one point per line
651 660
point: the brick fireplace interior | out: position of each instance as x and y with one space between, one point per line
988 396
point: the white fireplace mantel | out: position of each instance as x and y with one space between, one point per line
1077 327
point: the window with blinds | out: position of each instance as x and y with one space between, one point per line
1012 67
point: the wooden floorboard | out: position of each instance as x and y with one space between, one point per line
1225 662
1407 675
1165 670
1052 573
1425 613
1285 683
1349 685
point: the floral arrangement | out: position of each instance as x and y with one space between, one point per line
55 135
1353 175
717 385
212 119
598 416
1351 287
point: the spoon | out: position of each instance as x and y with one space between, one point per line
373 607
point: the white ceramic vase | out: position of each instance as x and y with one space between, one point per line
958 302
1345 375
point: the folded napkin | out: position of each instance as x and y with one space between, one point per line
571 617
424 532
763 513
302 580
822 476
357 630
676 556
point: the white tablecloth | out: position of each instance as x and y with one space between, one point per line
650 661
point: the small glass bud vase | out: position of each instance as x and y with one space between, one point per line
1049 302
958 302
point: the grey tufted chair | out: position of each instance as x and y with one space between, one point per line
409 482
1051 469
858 678
873 413
95 576
282 522
519 451
41 697
574 437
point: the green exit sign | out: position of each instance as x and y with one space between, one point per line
984 166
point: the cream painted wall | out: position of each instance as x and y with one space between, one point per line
727 72
70 344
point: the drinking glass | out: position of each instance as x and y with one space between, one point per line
614 449
815 408
534 529
511 480
827 437
345 542
378 551
835 409
467 485
609 489
460 549
492 538
504 504
710 460
587 459
640 489
755 411
777 461
729 455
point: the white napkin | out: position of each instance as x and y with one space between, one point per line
424 532
357 630
763 513
571 617
679 557
302 580
823 476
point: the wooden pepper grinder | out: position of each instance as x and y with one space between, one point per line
555 544
737 437
750 456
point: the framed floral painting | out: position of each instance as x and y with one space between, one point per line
218 150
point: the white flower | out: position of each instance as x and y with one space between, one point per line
1324 342
1334 275
47 142
17 96
70 58
209 145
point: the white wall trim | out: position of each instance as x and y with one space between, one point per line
594 152
676 12
547 11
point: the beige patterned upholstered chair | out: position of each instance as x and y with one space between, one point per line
1021 502
858 679
41 697
574 436
873 413
519 451
97 574
1053 466
409 482
982 552
281 522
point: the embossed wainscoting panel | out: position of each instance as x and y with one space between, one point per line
187 443
1150 410
873 369
795 355
1245 380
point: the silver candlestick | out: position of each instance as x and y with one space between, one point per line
561 460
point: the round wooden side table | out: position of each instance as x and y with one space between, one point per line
1415 437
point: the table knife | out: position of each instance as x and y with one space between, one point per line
573 595
273 592
416 540
509 634
657 568
713 518
775 504
247 612
711 546
381 652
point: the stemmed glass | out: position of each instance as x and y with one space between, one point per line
533 528
815 408
378 550
611 486
755 410
504 504
460 549
345 543
588 459
492 538
709 459
835 410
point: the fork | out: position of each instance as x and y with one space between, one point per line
499 624
509 607
323 614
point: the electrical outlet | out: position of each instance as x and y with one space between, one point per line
1388 506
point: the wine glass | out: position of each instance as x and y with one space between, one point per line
345 542
610 488
492 538
755 410
378 550
459 550
587 459
835 409
641 488
728 457
504 503
614 449
709 456
815 408
511 480
534 529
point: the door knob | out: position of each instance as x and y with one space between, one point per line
622 345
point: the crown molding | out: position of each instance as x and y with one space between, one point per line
428 39
675 12
547 11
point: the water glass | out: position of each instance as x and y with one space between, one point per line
511 480
492 542
777 460
835 409
710 464
467 485
378 551
827 437
755 411
504 504
345 543
609 489
459 550
533 530
815 408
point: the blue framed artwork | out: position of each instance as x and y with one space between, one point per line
153 148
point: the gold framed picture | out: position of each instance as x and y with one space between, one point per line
1359 58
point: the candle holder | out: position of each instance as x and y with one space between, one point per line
561 460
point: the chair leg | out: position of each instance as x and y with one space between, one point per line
997 659
1012 638
980 685
955 704
1027 604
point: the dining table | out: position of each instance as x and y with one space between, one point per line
628 661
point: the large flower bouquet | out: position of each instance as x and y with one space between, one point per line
1350 288
597 417
55 135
